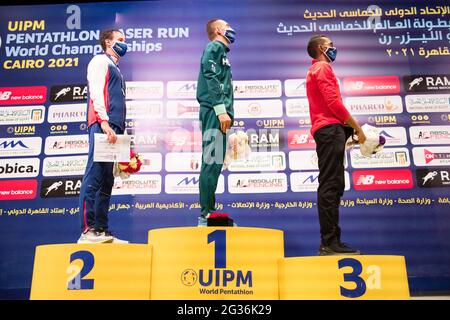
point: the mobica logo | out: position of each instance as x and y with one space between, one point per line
220 279
19 168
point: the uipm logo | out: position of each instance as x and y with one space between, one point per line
220 279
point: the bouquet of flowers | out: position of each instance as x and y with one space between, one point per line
125 169
237 148
374 141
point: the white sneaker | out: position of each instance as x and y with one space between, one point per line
119 241
116 240
92 236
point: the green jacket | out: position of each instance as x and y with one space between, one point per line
214 85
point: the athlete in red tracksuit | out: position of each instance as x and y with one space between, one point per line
106 114
332 125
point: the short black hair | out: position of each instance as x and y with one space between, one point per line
210 28
107 34
314 43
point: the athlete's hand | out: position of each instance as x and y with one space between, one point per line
361 136
225 122
112 137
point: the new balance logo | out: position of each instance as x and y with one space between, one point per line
366 180
5 95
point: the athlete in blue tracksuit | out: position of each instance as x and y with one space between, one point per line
106 114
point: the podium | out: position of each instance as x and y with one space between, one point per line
343 277
92 271
189 263
215 263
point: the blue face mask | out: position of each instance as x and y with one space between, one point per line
331 53
120 48
230 34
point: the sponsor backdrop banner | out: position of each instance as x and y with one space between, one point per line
393 69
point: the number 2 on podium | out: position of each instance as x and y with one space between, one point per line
77 282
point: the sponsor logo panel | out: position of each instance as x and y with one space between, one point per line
306 160
144 90
182 89
388 157
309 181
19 168
69 93
297 107
260 161
395 136
374 105
64 166
295 87
144 109
22 115
20 147
58 145
151 162
63 113
382 179
372 85
182 109
23 95
265 140
183 161
269 108
301 139
430 135
433 178
257 89
183 140
18 189
138 184
257 183
188 184
427 103
58 188
427 83
431 156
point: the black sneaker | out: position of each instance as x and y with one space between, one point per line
337 249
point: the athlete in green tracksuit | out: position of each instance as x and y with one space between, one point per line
215 96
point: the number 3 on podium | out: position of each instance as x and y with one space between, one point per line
373 281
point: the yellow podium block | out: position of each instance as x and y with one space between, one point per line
215 263
92 271
344 277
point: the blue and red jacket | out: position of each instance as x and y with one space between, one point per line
106 92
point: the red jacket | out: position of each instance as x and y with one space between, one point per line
325 101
